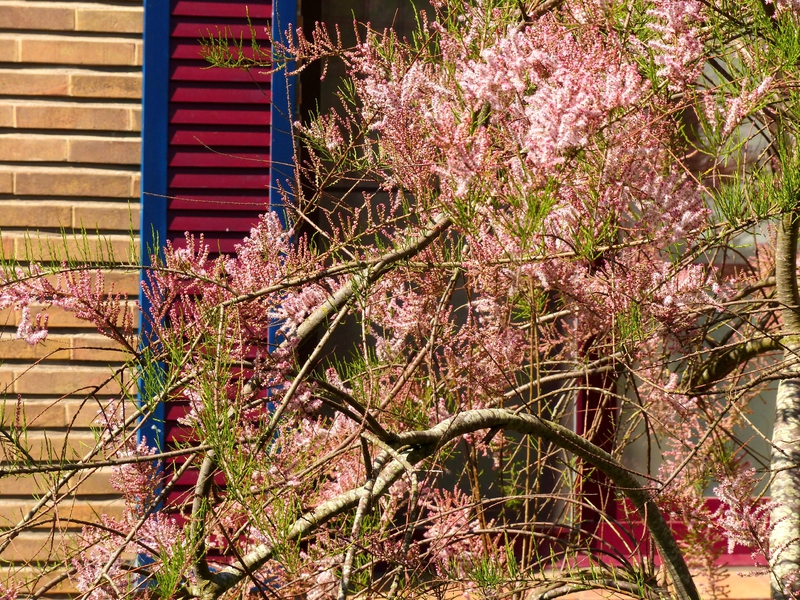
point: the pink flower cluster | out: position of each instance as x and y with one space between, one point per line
677 45
743 518
550 88
81 292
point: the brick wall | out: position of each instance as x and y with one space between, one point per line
70 116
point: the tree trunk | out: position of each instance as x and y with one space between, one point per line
784 539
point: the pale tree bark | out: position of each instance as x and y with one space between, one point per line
784 540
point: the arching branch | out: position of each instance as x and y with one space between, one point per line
416 446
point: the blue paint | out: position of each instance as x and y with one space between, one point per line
284 16
282 107
153 208
153 225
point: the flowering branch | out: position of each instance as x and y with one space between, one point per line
415 446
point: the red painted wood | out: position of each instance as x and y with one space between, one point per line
175 410
208 93
186 51
626 515
219 181
219 137
191 49
211 221
220 114
212 137
236 10
216 244
179 434
189 478
197 200
177 498
200 71
198 27
236 159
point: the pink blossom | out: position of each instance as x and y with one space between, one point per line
30 332
7 593
743 518
677 46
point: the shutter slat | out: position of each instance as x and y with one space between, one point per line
217 115
217 244
192 49
207 181
223 201
198 28
201 72
229 159
236 10
209 221
219 94
183 136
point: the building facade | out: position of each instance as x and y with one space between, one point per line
112 128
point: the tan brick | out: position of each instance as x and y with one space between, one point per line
58 317
52 446
85 484
6 115
75 51
9 48
8 316
105 85
36 413
21 15
73 182
98 348
49 445
6 381
47 115
33 578
61 319
6 182
139 55
60 380
106 215
47 414
136 186
51 349
105 150
48 247
30 148
85 414
136 119
124 282
29 82
118 281
12 511
744 583
34 213
6 247
115 19
91 511
31 546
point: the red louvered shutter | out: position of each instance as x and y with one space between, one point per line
218 152
219 130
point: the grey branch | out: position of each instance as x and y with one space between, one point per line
416 446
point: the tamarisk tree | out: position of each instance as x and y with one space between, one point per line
564 237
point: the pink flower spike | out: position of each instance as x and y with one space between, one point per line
30 332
